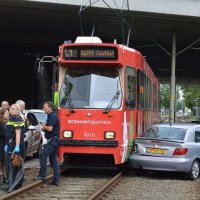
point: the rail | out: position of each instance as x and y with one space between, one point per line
35 184
26 188
106 187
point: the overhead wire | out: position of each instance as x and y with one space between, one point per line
120 16
129 19
80 16
80 20
116 13
123 31
92 16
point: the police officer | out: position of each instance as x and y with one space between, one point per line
52 130
14 141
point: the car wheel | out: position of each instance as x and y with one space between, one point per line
36 155
194 171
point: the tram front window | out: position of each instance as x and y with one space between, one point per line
90 88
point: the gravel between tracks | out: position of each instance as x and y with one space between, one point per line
154 186
81 183
29 173
75 184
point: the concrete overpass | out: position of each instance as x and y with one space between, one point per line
35 28
27 23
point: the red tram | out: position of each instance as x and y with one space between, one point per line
108 95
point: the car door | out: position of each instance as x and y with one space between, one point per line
35 132
197 142
29 135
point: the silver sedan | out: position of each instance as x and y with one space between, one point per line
168 148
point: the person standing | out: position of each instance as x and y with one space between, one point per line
5 104
15 143
22 106
23 115
4 115
52 130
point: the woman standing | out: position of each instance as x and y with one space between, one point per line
4 114
15 144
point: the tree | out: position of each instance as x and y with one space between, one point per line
191 93
164 95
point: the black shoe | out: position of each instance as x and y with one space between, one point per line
18 186
38 178
5 180
56 183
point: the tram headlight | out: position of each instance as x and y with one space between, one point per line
109 135
68 134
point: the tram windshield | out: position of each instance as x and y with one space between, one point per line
90 88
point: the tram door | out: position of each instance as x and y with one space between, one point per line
47 79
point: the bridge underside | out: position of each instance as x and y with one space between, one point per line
33 29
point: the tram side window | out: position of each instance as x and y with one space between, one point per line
154 97
148 93
130 88
144 91
141 91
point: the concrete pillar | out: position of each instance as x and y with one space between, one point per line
173 81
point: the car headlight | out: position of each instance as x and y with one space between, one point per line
109 135
67 134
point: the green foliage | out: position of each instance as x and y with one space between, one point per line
191 93
164 95
178 105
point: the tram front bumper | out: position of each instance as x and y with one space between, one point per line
93 147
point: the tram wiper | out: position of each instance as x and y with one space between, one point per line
109 106
71 105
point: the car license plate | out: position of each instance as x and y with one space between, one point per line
156 150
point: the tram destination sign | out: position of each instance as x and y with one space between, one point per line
90 53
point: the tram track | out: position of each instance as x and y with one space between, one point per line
88 186
24 189
106 187
28 187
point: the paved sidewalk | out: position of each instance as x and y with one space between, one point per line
33 163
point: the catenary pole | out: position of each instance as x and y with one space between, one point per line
173 80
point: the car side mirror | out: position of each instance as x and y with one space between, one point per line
31 127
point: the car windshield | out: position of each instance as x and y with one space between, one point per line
41 117
170 133
90 88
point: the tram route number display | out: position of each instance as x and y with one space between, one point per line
86 53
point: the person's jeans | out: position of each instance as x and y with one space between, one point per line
50 150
